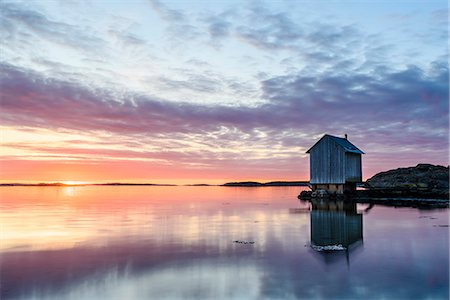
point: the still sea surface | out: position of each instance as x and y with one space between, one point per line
153 242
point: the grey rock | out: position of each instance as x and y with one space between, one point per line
421 177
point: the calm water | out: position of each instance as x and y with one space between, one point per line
215 243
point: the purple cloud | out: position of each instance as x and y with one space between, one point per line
408 101
338 79
15 16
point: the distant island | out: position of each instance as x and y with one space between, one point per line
62 184
138 184
37 184
241 183
423 180
271 183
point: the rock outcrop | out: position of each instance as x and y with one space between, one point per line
422 177
424 185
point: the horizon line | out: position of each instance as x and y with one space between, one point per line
82 183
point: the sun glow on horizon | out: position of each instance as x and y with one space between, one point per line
74 182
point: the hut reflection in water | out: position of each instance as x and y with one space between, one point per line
335 226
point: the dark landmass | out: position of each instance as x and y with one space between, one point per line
424 181
137 184
87 184
287 183
36 184
424 177
385 198
406 202
244 184
420 203
271 183
424 185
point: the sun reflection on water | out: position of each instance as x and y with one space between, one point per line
128 242
69 191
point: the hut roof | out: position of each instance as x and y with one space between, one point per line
344 143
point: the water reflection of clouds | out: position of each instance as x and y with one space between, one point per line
283 268
170 250
212 280
63 225
70 270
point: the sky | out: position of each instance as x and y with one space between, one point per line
217 91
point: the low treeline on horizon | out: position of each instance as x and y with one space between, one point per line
422 176
238 183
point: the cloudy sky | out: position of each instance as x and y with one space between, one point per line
212 91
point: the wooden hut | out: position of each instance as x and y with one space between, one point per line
335 164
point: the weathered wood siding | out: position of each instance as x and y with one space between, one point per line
353 170
327 163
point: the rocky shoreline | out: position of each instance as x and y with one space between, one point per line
424 185
384 197
423 177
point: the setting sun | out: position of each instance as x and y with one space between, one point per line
74 182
